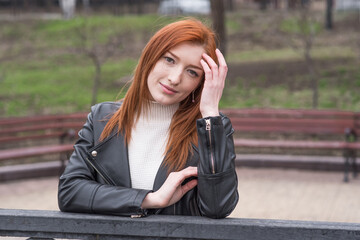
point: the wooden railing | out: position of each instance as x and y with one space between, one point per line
38 224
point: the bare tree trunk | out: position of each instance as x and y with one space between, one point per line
230 6
14 7
313 78
140 7
357 35
263 4
308 34
2 75
26 5
218 19
329 14
276 4
97 52
291 4
86 5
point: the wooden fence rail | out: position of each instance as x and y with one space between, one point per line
38 224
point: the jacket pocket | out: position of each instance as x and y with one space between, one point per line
217 193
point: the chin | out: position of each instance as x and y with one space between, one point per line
161 101
165 103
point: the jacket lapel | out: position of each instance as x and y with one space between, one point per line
112 159
113 162
160 177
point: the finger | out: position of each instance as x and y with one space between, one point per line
220 57
209 60
188 186
189 172
176 178
191 168
207 70
212 64
223 68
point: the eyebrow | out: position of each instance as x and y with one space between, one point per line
193 66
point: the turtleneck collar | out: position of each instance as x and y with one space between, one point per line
156 111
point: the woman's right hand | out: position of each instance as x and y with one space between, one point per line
172 190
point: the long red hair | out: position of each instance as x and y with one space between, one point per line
182 132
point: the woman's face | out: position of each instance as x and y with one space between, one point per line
176 74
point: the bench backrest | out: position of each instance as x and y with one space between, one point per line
357 124
291 121
39 127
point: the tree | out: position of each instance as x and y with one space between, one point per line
86 5
218 19
303 29
98 51
263 4
329 14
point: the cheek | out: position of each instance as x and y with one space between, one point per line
149 78
193 84
152 77
157 72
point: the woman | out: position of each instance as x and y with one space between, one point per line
164 149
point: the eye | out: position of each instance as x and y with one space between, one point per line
193 73
169 59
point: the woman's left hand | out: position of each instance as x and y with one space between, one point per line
172 189
214 84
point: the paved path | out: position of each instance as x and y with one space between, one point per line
264 193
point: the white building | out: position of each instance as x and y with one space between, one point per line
347 4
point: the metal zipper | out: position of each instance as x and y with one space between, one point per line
208 128
97 170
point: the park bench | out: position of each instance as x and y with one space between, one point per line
36 137
298 129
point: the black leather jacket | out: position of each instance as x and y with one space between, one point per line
97 177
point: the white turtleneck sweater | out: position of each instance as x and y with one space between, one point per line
147 145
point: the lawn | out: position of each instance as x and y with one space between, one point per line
42 69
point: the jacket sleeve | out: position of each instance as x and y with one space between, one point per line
217 180
80 191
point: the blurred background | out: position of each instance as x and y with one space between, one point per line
59 57
64 56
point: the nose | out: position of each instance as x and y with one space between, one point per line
174 76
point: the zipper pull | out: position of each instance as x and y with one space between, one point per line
208 124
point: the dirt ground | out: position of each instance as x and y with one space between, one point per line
264 194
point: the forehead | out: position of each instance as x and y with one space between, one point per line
188 50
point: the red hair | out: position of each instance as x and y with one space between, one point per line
182 132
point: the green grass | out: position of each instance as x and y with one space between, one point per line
304 27
52 80
338 89
47 77
39 89
278 97
99 28
288 53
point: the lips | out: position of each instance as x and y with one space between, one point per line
168 89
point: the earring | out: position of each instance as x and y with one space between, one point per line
193 98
